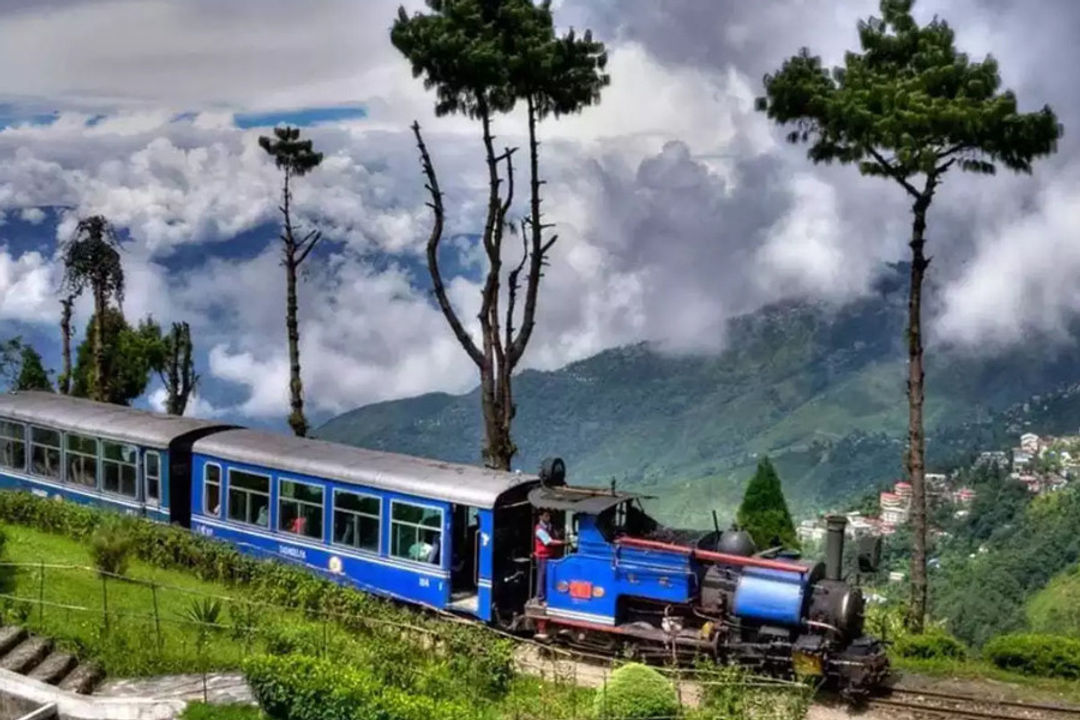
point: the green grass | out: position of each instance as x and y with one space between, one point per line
128 639
129 646
202 711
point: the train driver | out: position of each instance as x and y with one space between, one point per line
544 545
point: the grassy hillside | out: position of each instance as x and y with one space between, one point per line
820 389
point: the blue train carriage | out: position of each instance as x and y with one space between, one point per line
447 536
114 456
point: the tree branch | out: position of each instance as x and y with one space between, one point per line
310 241
893 172
434 238
512 286
539 248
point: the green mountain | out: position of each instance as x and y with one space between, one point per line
820 389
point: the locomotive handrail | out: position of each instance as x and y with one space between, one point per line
711 555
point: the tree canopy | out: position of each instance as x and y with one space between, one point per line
909 104
130 355
290 153
764 511
32 374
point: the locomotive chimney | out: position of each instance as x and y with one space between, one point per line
834 546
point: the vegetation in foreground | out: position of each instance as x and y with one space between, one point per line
167 620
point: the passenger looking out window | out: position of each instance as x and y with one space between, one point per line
416 532
300 509
45 452
82 460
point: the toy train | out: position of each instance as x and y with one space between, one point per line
453 537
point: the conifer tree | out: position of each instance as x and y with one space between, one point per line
32 374
909 108
764 512
295 158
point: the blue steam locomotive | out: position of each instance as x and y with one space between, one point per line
453 537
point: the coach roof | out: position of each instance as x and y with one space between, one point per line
117 422
423 477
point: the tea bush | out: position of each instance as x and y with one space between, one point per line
934 644
1043 655
636 692
306 688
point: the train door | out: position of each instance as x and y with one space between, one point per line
465 558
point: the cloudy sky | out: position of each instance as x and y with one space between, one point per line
677 205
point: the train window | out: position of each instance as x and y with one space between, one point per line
415 532
300 509
249 498
357 519
82 460
45 452
152 475
118 468
13 445
212 489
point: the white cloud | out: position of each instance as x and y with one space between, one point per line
33 215
26 287
1023 279
675 205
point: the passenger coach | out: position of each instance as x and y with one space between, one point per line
415 529
88 452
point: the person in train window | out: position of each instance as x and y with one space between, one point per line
262 518
299 525
544 546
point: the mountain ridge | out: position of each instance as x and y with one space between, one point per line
819 388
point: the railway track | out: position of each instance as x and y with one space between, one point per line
929 703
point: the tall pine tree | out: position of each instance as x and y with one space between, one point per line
764 512
912 109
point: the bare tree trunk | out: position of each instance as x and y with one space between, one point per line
65 333
916 437
297 421
99 343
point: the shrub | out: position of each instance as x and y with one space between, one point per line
1044 655
306 688
934 644
111 545
636 692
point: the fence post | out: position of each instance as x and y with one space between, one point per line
41 595
157 616
105 600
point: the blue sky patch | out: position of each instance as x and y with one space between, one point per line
301 117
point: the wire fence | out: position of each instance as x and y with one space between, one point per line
152 627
